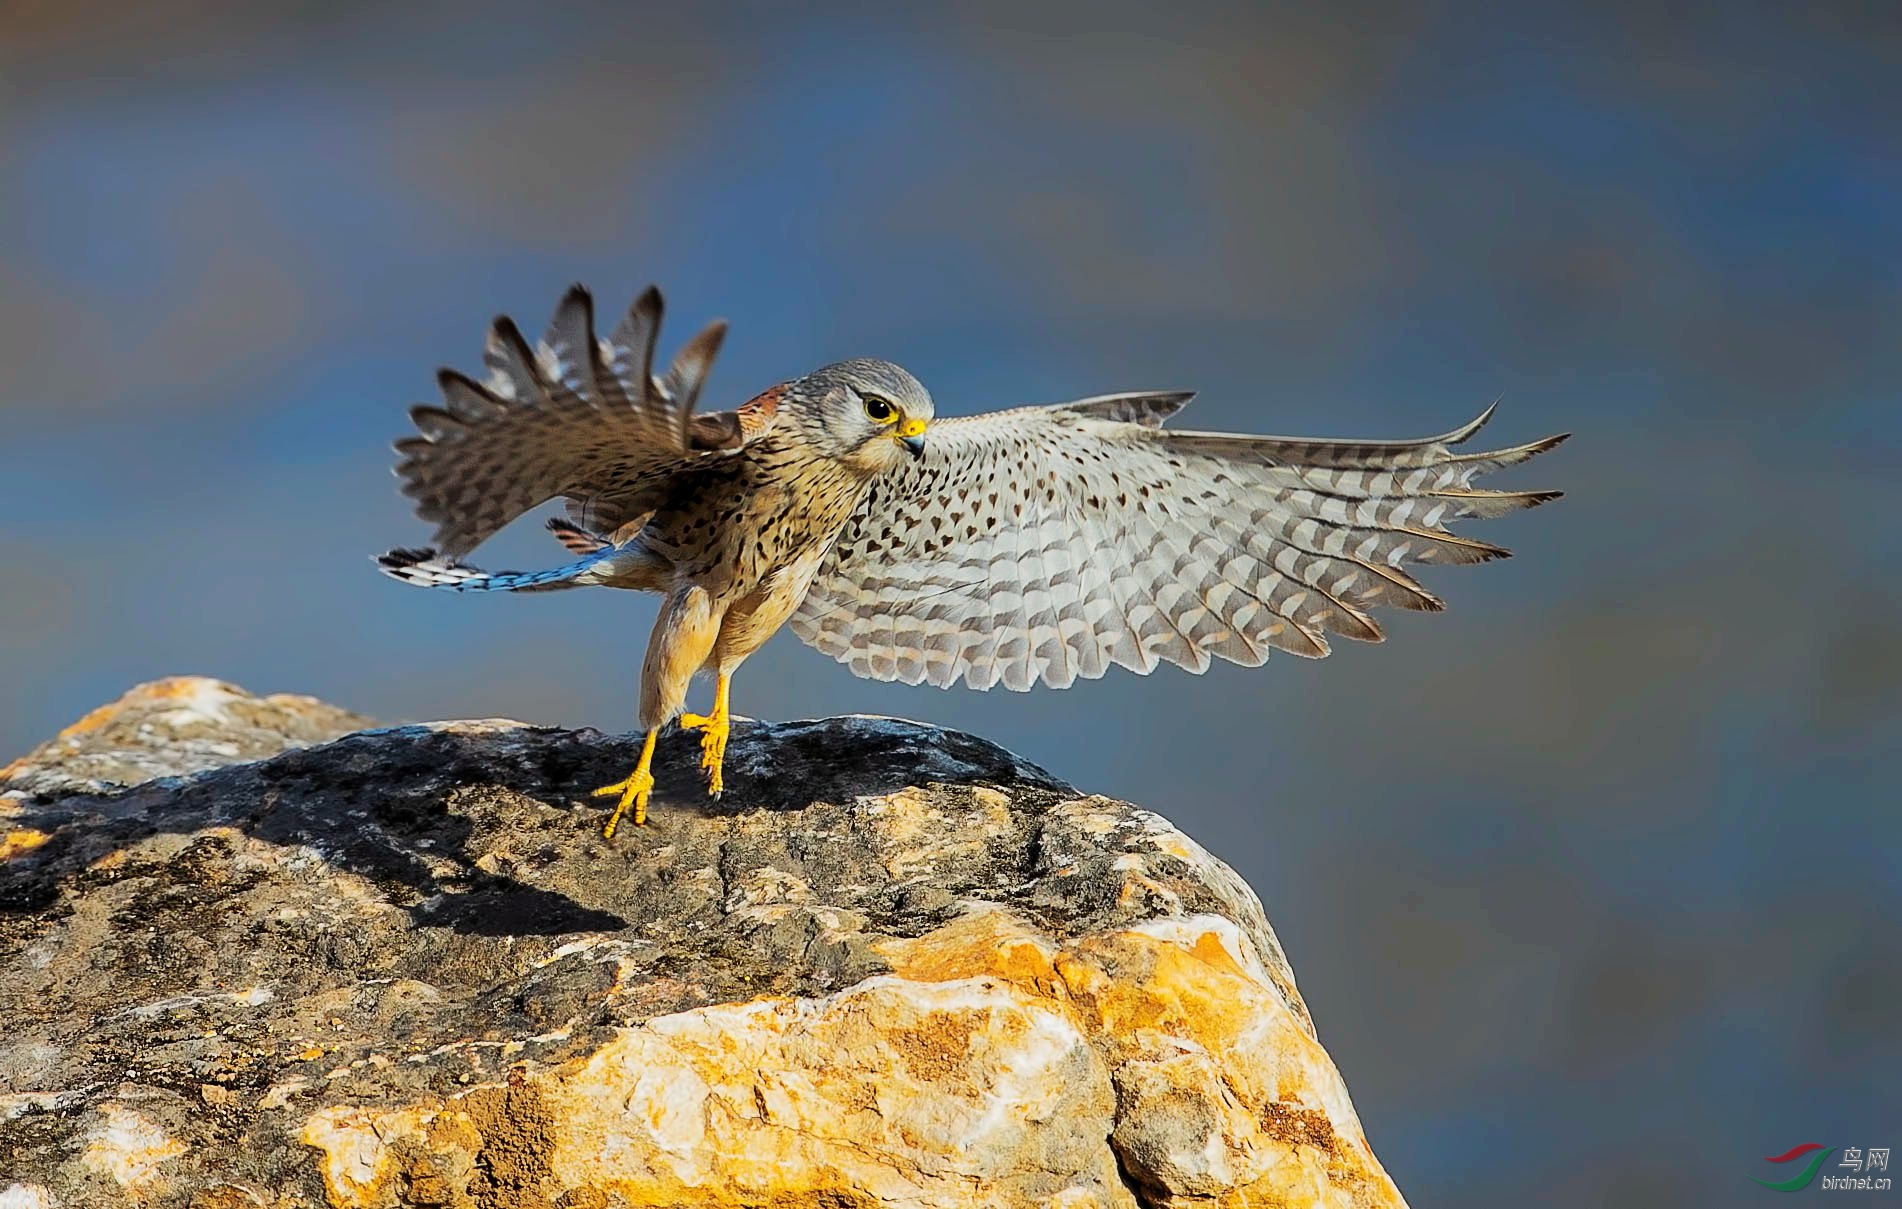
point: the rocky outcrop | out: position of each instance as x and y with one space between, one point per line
247 959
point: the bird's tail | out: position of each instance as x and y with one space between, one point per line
427 569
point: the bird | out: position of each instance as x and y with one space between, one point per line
1036 545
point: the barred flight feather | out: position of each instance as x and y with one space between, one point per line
574 416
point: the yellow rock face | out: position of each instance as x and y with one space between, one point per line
992 1059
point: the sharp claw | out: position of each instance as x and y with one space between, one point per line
713 730
633 792
712 747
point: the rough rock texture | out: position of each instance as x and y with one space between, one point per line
895 966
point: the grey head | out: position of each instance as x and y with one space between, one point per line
867 413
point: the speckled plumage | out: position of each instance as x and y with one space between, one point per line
1048 543
1041 544
728 514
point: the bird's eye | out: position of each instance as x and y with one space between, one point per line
880 411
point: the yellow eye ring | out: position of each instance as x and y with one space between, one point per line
879 411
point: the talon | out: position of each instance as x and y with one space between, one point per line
712 747
713 757
714 728
633 791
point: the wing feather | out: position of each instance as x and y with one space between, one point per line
1050 543
574 416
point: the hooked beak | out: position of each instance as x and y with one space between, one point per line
911 434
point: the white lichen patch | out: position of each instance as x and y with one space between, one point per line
128 1148
1192 931
767 885
357 1159
250 997
198 700
279 1094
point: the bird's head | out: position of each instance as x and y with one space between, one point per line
867 413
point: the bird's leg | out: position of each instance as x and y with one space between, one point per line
713 728
683 637
635 789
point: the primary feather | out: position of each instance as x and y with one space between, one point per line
575 416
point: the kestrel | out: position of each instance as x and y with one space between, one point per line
1037 544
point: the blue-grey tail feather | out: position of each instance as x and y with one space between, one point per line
426 569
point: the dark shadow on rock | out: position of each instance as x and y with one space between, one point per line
791 765
508 908
445 822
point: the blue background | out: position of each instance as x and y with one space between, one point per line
1592 882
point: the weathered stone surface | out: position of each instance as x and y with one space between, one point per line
170 728
895 966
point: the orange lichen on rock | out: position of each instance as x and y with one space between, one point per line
945 1093
1223 1091
172 688
949 1082
19 840
949 1092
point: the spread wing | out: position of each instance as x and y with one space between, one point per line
1047 543
576 416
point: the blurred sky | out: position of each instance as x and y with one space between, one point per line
1592 883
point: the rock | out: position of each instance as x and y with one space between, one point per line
171 728
896 965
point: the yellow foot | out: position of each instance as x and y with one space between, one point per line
713 728
713 734
633 791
